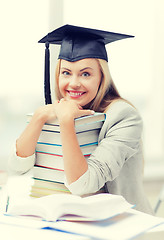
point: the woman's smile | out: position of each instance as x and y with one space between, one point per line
75 94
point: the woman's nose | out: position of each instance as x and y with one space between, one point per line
75 83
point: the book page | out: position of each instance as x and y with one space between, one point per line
56 206
121 227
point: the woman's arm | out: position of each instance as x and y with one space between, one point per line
119 140
75 164
26 143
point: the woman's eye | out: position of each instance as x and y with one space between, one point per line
65 73
85 74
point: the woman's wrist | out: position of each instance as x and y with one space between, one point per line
43 114
39 118
66 122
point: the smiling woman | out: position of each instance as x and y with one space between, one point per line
84 85
79 80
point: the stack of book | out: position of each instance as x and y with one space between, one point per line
49 167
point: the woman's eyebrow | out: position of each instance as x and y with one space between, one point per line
63 68
85 69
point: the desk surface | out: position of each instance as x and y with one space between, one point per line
151 236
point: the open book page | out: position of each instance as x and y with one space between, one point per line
124 226
22 221
60 206
15 228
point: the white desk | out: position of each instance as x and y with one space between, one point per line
152 235
18 188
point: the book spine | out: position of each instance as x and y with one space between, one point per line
57 150
51 161
48 190
47 181
49 174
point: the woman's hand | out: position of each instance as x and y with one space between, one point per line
69 110
46 112
63 110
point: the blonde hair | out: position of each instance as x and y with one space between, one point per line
106 93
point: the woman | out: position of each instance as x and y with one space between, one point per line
84 85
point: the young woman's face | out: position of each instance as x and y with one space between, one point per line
79 80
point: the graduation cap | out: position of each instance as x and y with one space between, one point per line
76 43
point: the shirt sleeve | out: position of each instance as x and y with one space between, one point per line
119 140
18 164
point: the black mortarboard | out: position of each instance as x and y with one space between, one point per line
77 43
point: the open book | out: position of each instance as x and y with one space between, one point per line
70 207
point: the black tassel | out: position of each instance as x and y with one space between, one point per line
47 90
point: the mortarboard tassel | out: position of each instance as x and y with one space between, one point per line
47 90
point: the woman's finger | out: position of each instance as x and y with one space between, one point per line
87 112
62 100
80 107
